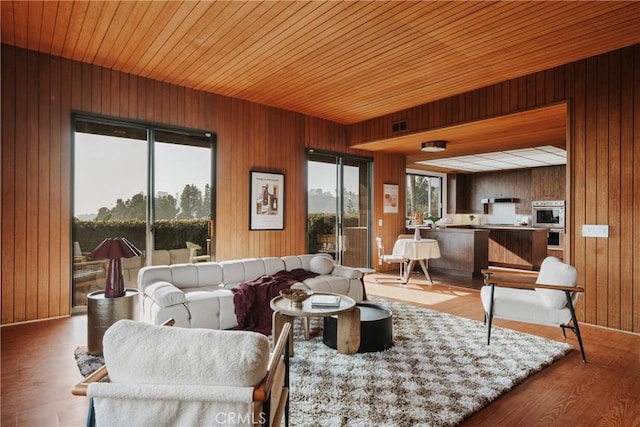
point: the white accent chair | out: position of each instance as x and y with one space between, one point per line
162 376
549 300
391 259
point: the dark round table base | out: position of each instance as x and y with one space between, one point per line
375 328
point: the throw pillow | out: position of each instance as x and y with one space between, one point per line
321 265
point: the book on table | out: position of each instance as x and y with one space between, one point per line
325 301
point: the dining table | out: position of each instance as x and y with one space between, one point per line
416 250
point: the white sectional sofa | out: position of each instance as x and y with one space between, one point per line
199 295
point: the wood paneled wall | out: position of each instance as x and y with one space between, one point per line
39 92
603 183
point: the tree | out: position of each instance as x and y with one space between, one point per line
205 209
166 207
190 202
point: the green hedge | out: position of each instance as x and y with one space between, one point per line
169 234
326 224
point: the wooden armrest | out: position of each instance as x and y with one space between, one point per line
525 274
80 389
532 286
261 392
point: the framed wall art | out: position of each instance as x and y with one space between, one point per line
266 203
390 200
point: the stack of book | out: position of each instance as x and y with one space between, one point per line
319 301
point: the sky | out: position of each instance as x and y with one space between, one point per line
323 176
108 168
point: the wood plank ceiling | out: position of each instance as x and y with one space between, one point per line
342 61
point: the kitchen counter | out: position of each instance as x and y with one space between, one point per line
513 246
495 226
463 251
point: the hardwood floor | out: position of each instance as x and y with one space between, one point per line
38 368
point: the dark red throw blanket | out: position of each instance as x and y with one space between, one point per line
251 299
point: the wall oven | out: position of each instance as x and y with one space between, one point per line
548 213
555 238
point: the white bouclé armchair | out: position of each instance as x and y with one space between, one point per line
163 376
546 298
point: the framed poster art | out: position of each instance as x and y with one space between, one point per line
390 200
266 203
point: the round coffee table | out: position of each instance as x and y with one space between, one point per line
375 328
347 313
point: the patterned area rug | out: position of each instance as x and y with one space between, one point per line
438 372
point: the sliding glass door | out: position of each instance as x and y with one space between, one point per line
116 165
338 207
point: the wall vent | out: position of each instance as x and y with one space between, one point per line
400 126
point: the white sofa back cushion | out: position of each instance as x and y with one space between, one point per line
136 352
301 261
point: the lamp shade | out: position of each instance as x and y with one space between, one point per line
113 249
434 146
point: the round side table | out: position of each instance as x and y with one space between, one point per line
103 312
376 328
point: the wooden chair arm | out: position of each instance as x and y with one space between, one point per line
80 389
261 392
532 286
525 274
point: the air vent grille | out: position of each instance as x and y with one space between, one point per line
400 126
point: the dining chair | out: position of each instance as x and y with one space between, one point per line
391 259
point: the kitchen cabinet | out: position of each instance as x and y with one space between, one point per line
458 193
512 183
463 251
548 183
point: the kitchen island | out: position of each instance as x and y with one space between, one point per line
467 249
517 246
463 251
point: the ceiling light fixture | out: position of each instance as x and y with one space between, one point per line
434 146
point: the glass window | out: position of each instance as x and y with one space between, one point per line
424 195
116 166
338 206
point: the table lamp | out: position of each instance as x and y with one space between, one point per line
115 248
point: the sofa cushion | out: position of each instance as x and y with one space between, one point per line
184 356
184 275
555 272
165 294
321 265
209 274
347 272
328 283
232 272
272 265
253 268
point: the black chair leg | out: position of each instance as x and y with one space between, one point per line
91 414
575 328
489 316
